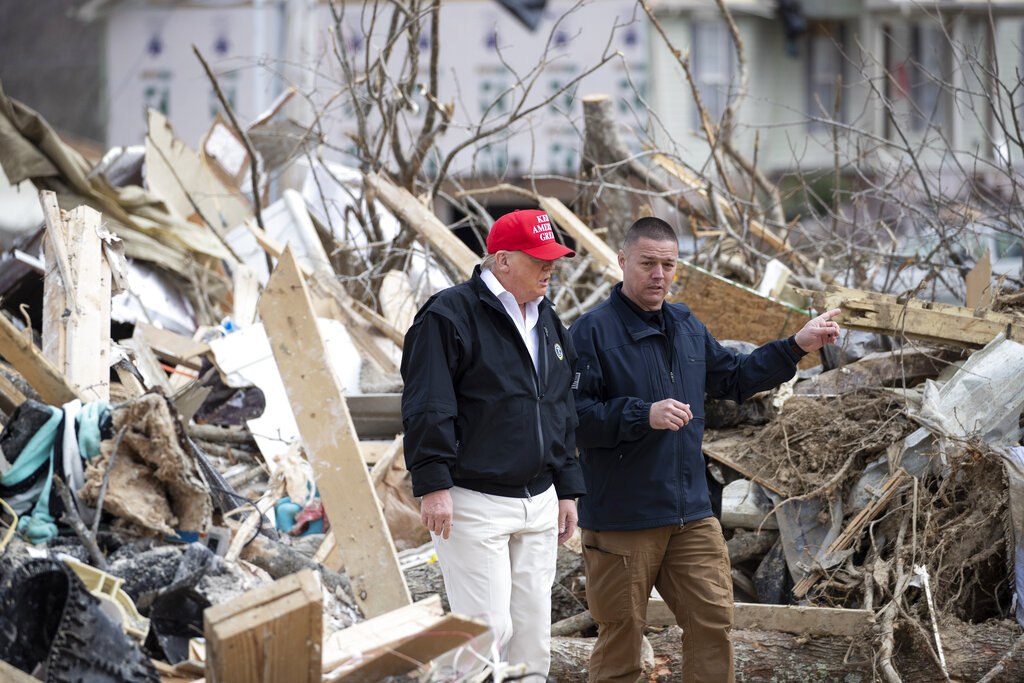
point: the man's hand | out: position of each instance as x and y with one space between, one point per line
436 512
818 332
566 520
670 414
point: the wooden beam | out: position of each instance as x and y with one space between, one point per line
606 259
397 642
410 211
381 467
811 621
76 298
915 319
329 436
272 633
30 362
329 554
10 395
853 529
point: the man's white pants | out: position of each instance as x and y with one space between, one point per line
499 564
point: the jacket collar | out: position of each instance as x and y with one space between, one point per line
487 296
637 327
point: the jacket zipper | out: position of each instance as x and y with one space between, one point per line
540 370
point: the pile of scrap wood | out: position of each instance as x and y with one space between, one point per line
198 390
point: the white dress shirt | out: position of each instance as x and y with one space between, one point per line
528 327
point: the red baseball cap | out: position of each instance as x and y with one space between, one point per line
527 231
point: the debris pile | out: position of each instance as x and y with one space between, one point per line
200 392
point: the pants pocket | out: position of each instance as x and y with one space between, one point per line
609 581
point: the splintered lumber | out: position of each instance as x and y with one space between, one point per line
30 362
76 298
11 674
732 311
272 633
171 347
606 259
330 440
179 175
245 295
410 211
394 643
853 529
888 368
398 300
326 288
916 319
10 395
812 621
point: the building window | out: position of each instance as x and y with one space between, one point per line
931 53
713 56
824 68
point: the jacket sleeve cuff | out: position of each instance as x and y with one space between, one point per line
429 478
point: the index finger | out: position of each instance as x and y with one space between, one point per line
828 315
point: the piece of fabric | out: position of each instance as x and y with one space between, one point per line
499 564
689 566
88 422
33 505
638 477
476 413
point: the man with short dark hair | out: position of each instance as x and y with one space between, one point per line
490 435
644 367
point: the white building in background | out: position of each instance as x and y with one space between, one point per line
914 54
935 61
257 48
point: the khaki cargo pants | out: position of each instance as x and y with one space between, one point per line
689 566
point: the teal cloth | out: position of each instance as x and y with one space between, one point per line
39 525
88 422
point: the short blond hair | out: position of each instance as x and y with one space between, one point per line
488 261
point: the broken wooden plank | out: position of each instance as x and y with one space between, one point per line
30 362
245 295
329 554
732 311
272 633
916 319
10 395
606 259
177 173
383 464
330 440
888 368
148 365
326 288
394 643
76 298
853 529
979 284
171 347
409 210
802 620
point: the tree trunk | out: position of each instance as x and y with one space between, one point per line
971 650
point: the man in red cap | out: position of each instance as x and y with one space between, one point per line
490 435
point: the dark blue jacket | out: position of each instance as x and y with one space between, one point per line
476 412
638 477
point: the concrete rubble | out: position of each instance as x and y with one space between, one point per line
871 505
